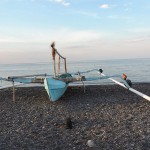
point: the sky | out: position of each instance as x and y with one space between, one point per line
82 29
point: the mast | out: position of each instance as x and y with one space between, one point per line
54 52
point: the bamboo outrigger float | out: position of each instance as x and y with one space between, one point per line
57 84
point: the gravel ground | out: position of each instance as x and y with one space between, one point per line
114 118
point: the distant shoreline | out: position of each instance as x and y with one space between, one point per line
71 61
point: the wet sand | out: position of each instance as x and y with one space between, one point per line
111 116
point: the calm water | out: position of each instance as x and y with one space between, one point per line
138 70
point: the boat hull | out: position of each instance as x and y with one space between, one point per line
55 88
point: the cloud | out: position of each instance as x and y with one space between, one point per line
93 15
139 30
104 6
63 2
10 39
140 39
121 17
45 35
113 17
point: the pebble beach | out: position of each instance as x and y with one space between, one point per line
109 115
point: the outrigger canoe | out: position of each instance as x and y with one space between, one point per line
57 84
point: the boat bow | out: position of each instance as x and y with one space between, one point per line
55 88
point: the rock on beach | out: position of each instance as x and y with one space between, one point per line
109 115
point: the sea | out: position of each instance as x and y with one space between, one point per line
137 70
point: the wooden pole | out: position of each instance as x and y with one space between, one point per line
54 52
65 65
53 55
59 65
13 91
54 69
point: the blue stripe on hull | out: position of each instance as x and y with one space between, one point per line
55 88
23 80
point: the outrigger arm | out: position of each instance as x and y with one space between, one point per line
128 87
